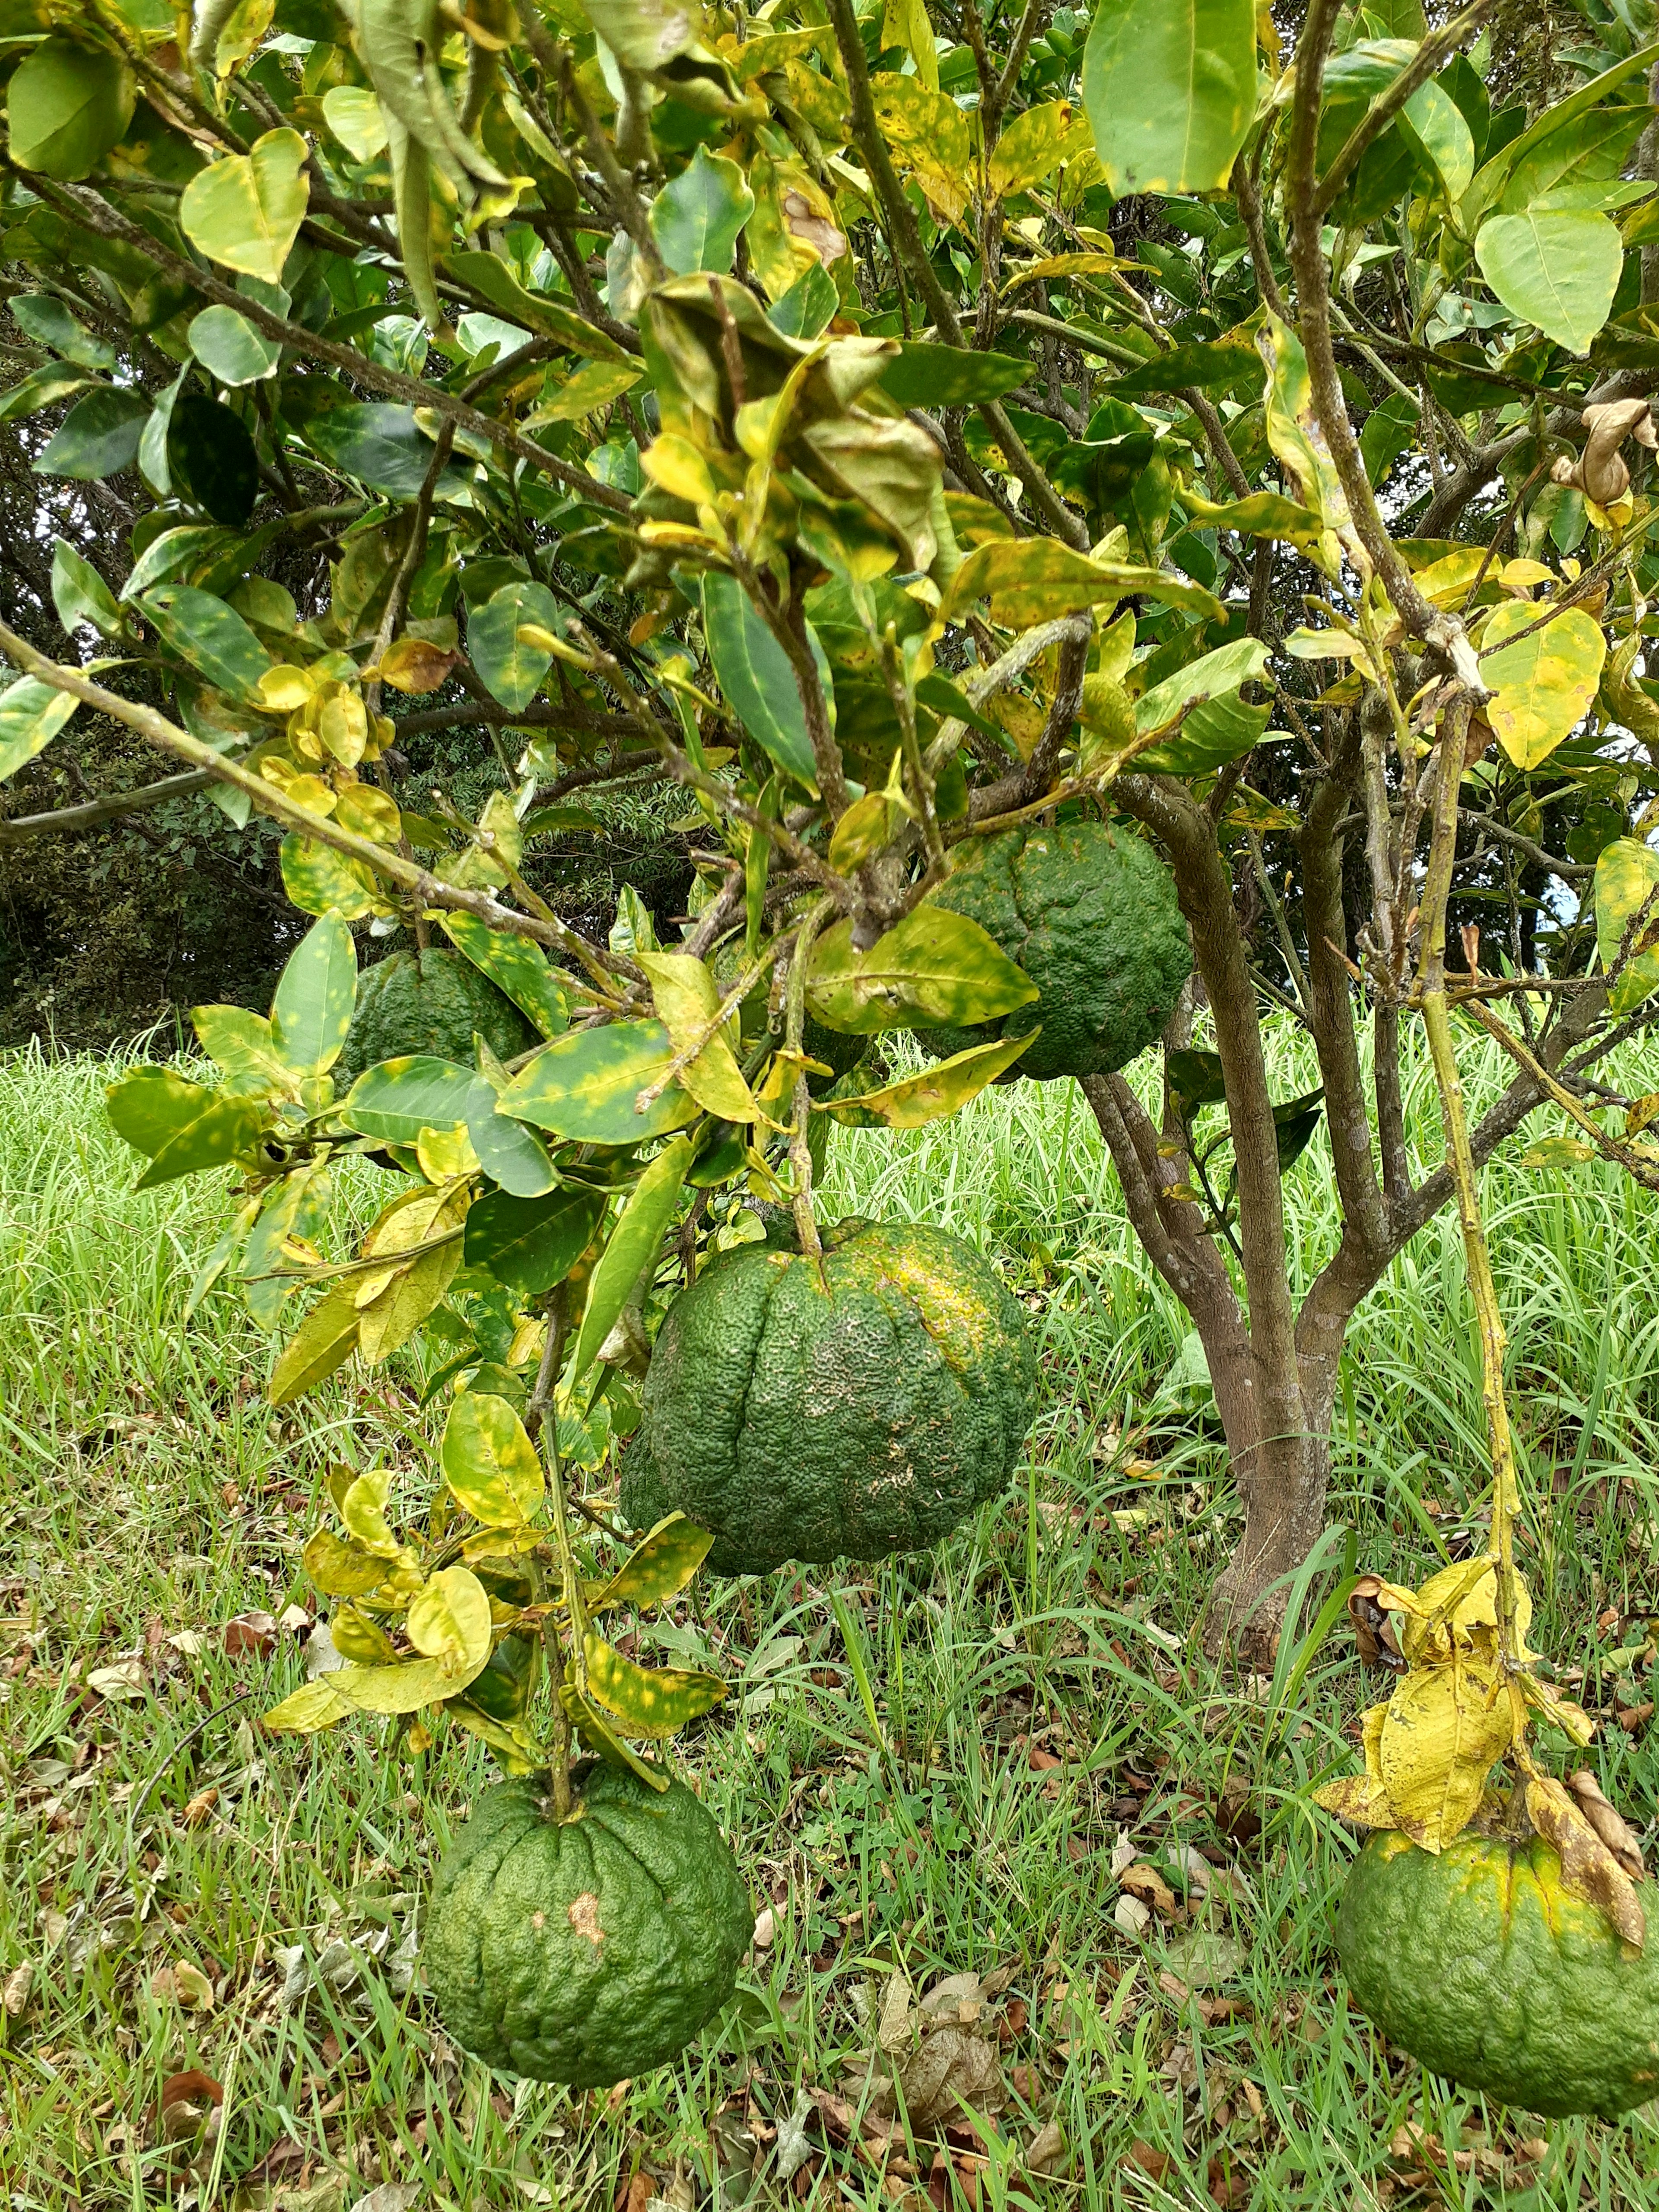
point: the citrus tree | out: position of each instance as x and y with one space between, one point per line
1122 529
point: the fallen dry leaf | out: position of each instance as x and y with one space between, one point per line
16 1993
766 1930
251 1635
1047 2150
121 1682
1154 2164
952 2067
189 2102
1147 1884
634 2194
199 1807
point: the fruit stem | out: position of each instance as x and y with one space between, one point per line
1437 1022
542 1422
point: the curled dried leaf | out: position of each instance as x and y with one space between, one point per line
1589 1868
1607 1821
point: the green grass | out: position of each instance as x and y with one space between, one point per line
874 1766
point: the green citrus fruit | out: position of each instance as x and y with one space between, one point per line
428 1002
1089 911
1479 1963
591 1948
856 1411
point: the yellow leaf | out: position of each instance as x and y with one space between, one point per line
1444 1730
450 1621
1542 684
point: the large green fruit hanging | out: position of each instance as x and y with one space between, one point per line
852 1413
1479 1963
1089 912
429 1002
587 1949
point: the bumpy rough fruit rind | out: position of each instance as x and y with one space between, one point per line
1089 911
429 1002
853 1414
585 1950
1481 1965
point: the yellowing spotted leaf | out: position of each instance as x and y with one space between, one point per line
1542 683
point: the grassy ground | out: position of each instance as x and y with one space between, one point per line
931 1769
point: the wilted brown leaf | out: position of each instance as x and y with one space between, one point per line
951 2068
1046 2151
414 664
1147 1884
251 1634
1373 1631
199 1807
16 1995
1607 1822
189 2102
1154 2164
1589 1868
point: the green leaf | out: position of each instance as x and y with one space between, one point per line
1627 880
1390 430
49 323
382 446
1557 269
1542 686
1212 733
1196 1079
211 458
80 594
1210 677
584 1085
66 105
493 281
1034 579
1295 1121
1433 122
1033 145
598 1736
1262 514
754 673
245 211
489 1462
1210 367
450 1621
42 387
311 1010
593 385
632 1249
239 1045
511 666
696 219
927 374
98 436
31 716
398 1098
325 1340
1558 115
933 968
317 878
915 1100
532 1243
229 347
1170 89
353 114
517 966
808 307
648 1701
509 1154
658 1567
211 636
182 1127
